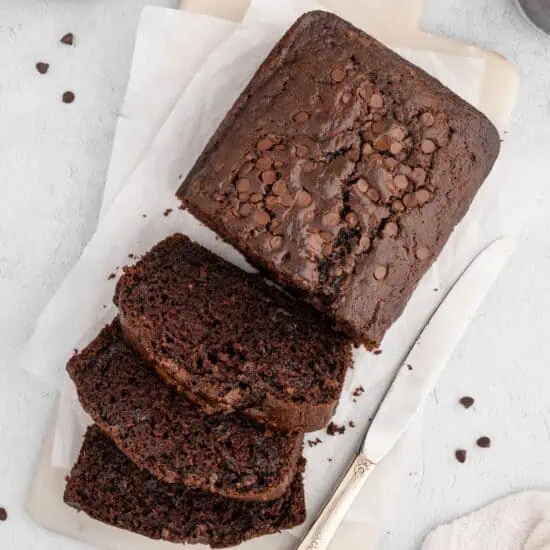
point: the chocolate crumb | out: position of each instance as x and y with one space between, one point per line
182 207
460 455
358 391
314 443
42 67
104 306
75 350
355 400
67 478
167 212
68 39
351 424
436 289
410 367
330 459
131 256
67 97
484 442
144 215
333 429
3 514
466 401
377 351
111 276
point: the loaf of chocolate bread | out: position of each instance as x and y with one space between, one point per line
341 171
228 340
159 430
112 489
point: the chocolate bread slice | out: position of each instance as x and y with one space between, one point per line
109 487
159 430
230 341
341 170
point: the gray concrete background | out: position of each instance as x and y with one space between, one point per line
53 159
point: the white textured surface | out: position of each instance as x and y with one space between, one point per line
53 159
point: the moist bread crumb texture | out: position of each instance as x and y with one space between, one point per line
112 489
342 170
159 430
228 340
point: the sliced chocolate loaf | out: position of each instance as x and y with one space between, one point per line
159 430
112 489
230 341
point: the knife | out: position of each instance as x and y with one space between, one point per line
412 384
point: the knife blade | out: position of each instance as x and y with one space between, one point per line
412 384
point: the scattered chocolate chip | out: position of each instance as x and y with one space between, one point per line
264 163
331 219
245 210
428 146
338 74
352 219
376 101
409 200
301 151
362 185
380 272
423 196
68 39
3 514
466 401
111 276
280 188
276 242
377 352
396 148
427 119
302 116
484 442
303 199
351 424
382 143
460 455
422 253
333 429
42 67
269 177
243 185
401 182
419 175
391 229
261 217
264 144
67 97
398 133
167 212
373 194
314 443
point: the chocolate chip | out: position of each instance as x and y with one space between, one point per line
419 175
422 253
301 151
466 401
245 210
264 163
276 242
401 182
460 455
484 442
279 188
398 133
367 149
428 146
352 219
427 119
256 197
261 217
264 144
423 196
373 194
390 164
42 68
338 74
302 116
315 242
382 143
287 200
3 514
391 229
331 219
309 166
243 196
396 148
380 272
376 101
68 39
379 127
346 96
405 170
243 185
303 199
67 97
409 200
269 177
397 206
362 185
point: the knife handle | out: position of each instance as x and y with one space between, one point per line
321 532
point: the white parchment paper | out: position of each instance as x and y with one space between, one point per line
133 220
